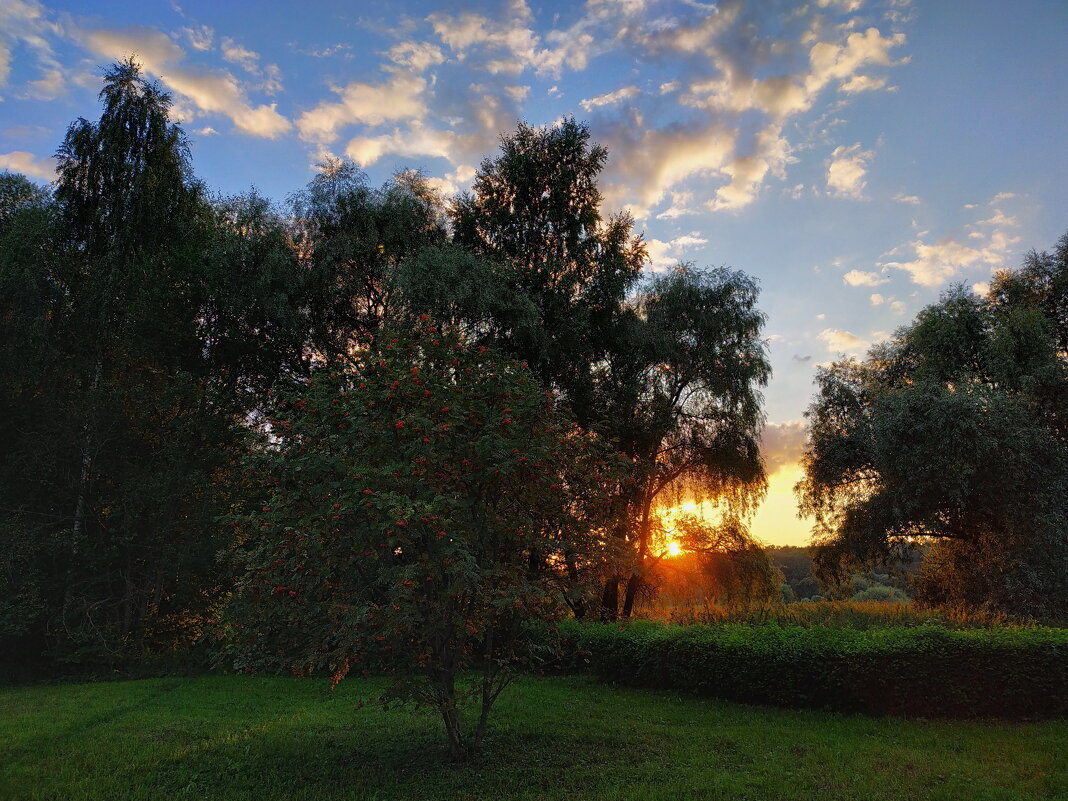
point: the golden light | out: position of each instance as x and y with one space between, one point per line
673 549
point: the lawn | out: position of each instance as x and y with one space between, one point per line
229 737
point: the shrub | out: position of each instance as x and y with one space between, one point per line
924 671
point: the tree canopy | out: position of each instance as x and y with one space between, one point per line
952 431
419 507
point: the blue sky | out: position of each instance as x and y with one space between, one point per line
856 156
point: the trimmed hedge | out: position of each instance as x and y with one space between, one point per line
915 671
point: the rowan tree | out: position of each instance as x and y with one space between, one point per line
420 506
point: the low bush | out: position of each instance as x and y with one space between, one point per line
922 671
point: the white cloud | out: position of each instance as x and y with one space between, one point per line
200 38
401 98
29 165
416 56
935 263
846 171
876 299
209 91
25 23
648 162
839 341
249 60
611 98
510 45
999 218
910 200
861 278
771 154
897 307
833 62
664 255
981 287
207 130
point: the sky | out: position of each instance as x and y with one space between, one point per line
858 157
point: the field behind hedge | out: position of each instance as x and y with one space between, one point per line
236 738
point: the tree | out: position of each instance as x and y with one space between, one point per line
535 214
419 507
952 432
681 399
141 327
1041 283
717 564
351 239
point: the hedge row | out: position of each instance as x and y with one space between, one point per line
915 671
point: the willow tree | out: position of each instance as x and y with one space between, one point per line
680 394
953 432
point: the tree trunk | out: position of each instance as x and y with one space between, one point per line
610 600
578 606
633 583
635 580
451 716
487 690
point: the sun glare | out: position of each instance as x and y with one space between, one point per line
673 549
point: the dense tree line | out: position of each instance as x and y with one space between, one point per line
148 330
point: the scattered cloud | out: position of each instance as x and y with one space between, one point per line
664 255
782 444
400 98
846 170
877 299
981 287
934 263
249 60
200 38
208 91
839 341
26 24
861 278
29 165
909 200
611 98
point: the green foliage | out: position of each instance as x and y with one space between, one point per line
681 398
419 507
923 671
140 325
955 431
535 214
351 239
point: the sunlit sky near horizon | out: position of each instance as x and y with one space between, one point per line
856 156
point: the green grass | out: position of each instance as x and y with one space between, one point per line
228 737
